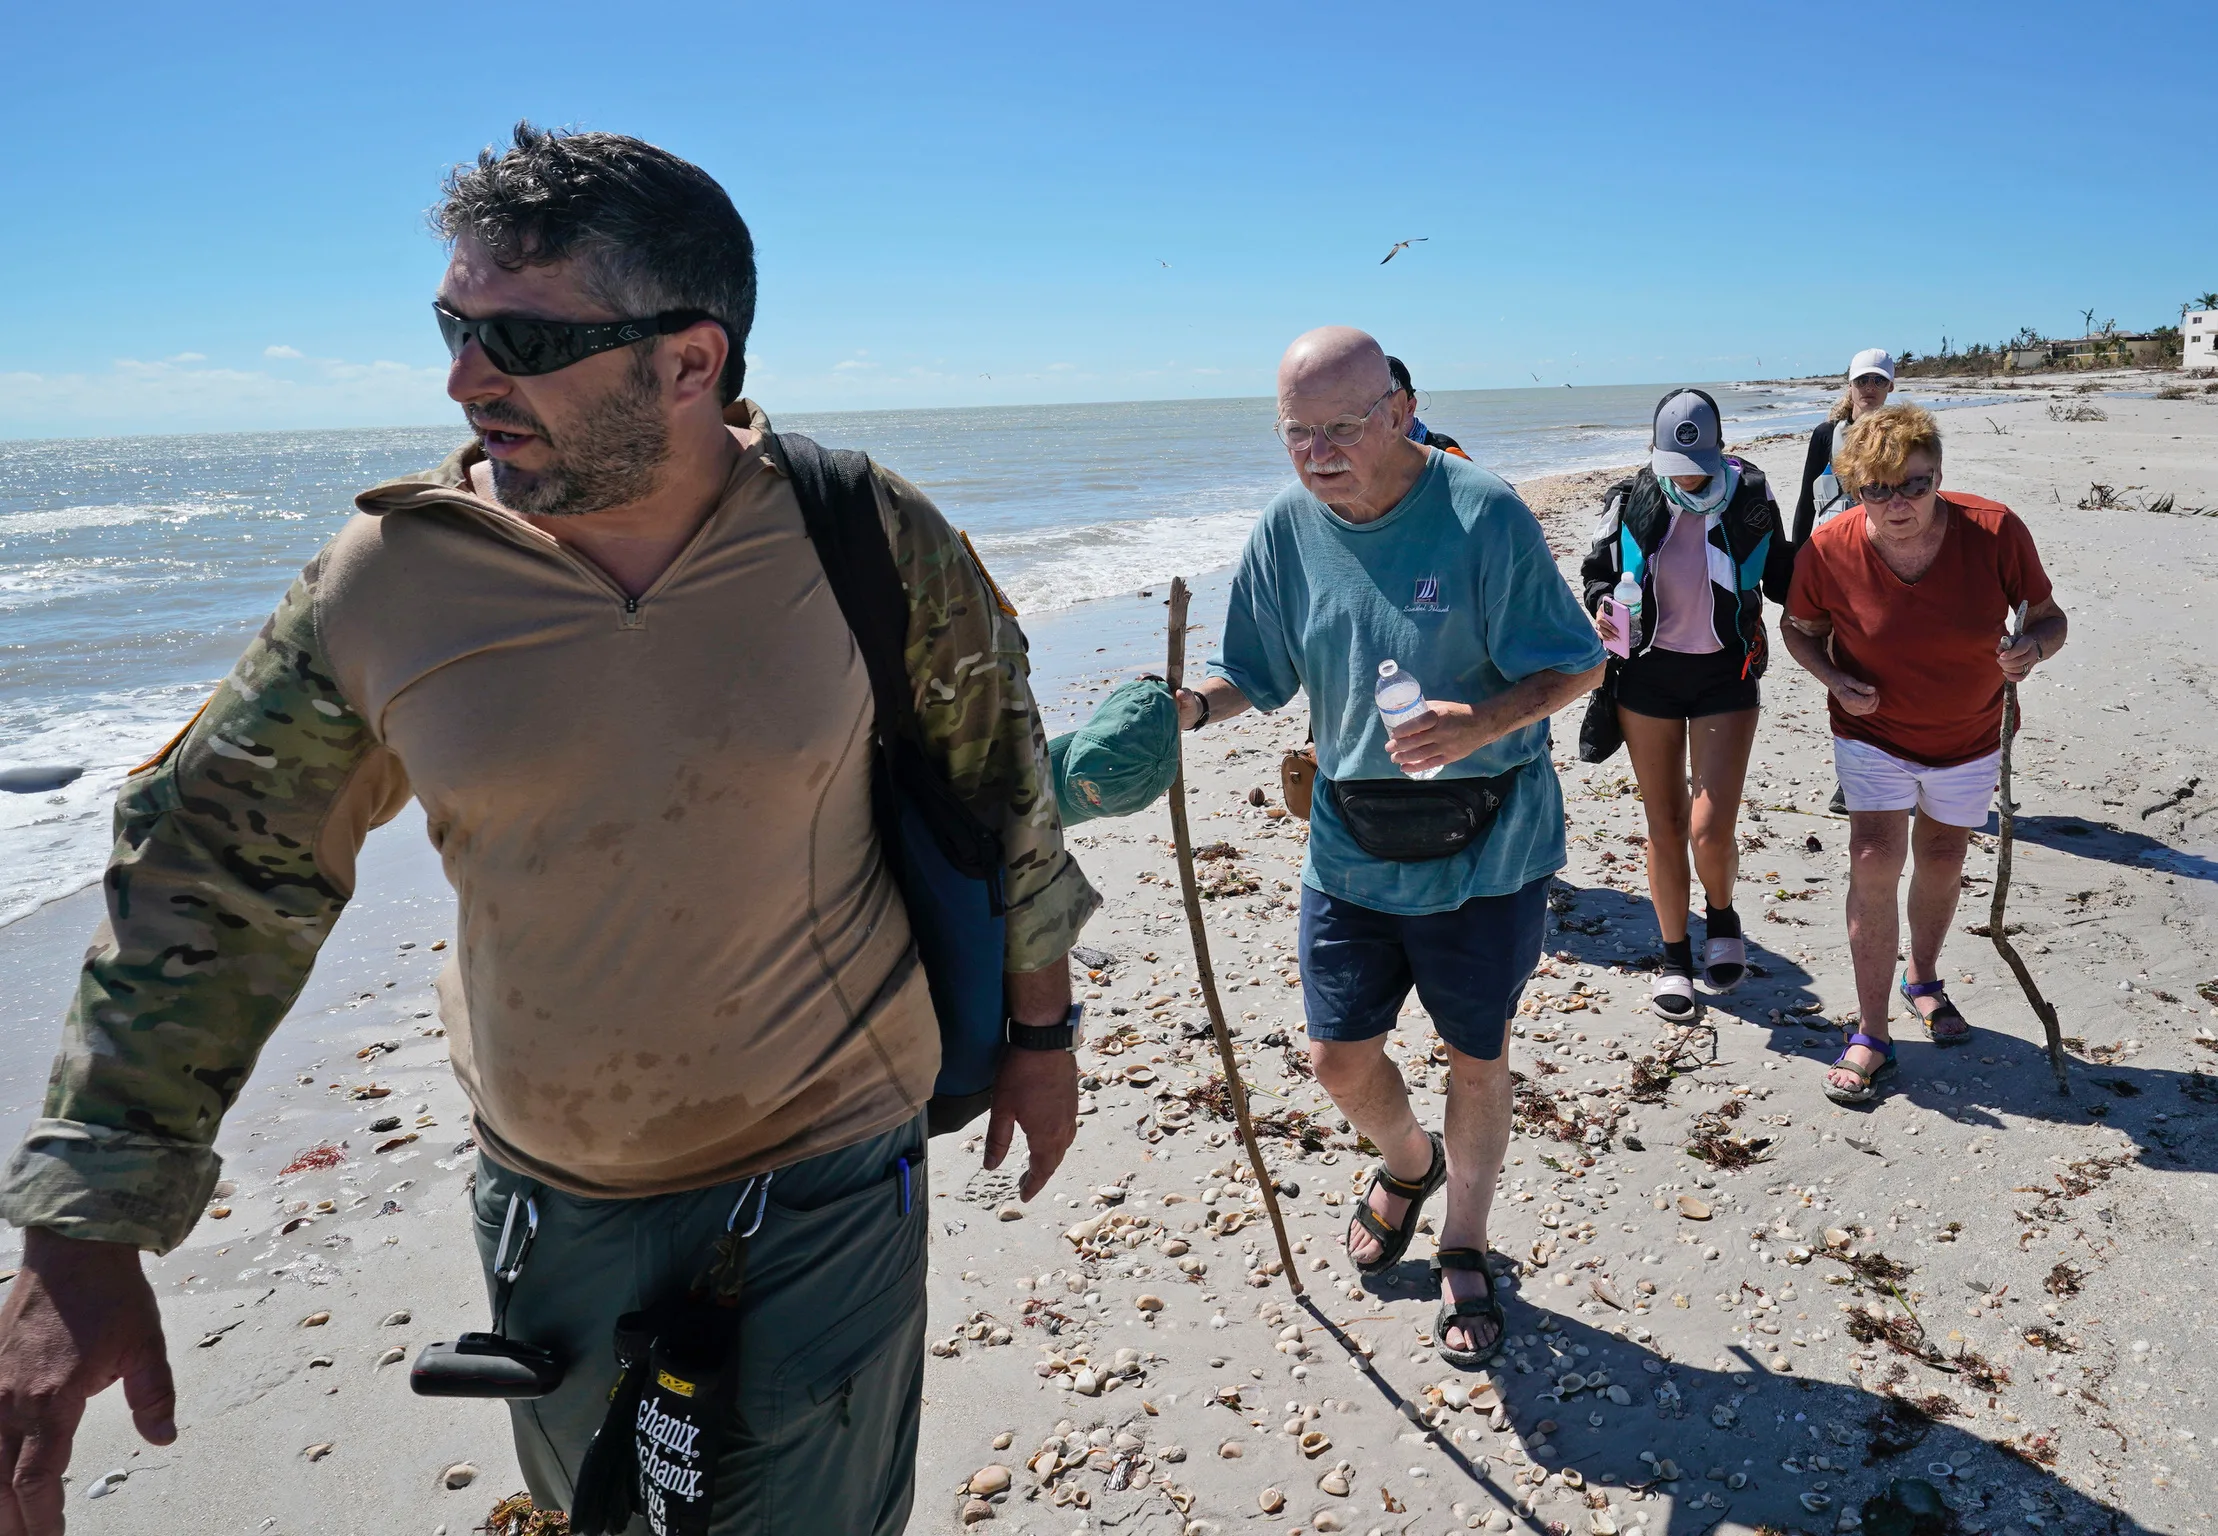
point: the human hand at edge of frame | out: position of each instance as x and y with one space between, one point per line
79 1317
1445 733
1858 698
1039 1091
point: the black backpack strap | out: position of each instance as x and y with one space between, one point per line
839 508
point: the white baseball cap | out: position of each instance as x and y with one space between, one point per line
1872 360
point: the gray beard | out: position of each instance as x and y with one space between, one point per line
609 459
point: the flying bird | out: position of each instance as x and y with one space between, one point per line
1401 246
1159 261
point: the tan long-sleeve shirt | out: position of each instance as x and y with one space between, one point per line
681 957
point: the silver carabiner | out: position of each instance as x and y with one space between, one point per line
507 1271
762 1203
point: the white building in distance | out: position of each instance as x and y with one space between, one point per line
2198 332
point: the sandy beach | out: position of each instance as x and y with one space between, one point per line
1976 1282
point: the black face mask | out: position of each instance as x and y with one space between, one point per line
522 347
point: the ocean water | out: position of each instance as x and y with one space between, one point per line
133 570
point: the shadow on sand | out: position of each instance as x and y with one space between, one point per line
2170 1114
1785 1436
2109 844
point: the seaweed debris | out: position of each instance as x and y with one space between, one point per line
1212 1098
516 1515
324 1156
2079 1177
1540 1112
1874 1266
1898 1426
1711 1140
1983 1374
2035 1450
1653 1074
1903 1334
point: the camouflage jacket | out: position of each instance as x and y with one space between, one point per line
235 849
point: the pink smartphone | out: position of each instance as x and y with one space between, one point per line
1620 642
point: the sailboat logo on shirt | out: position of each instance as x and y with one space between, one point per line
1427 599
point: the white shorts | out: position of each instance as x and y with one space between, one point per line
1873 780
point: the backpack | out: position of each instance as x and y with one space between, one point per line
947 863
1827 496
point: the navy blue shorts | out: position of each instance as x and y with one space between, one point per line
1469 966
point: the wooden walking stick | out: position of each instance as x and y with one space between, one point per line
2004 833
1236 1090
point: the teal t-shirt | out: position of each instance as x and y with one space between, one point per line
1457 585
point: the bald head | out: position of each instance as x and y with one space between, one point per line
1336 378
1334 363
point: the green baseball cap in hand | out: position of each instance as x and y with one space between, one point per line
1121 760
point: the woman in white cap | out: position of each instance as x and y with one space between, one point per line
1871 379
1686 551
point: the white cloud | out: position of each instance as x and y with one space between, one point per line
284 352
180 394
190 357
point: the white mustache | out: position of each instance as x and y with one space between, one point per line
1337 464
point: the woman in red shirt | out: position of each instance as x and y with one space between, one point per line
1903 613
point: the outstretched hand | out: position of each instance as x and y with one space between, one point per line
79 1318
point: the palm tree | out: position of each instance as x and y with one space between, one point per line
2089 316
2206 301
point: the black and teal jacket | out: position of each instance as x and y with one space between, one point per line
1750 559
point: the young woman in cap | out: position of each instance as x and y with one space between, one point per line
1903 613
1700 537
1871 379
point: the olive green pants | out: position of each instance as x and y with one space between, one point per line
830 1368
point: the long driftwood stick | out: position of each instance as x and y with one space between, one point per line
1997 930
1234 1087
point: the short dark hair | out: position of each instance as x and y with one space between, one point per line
649 231
1400 371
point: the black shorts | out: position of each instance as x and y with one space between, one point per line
1672 685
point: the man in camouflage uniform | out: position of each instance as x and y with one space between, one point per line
597 645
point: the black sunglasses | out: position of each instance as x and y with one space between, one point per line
1910 490
523 347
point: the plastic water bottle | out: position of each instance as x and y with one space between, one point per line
1627 598
1401 699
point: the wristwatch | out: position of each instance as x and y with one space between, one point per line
1065 1036
1201 707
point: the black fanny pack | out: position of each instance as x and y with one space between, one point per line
1410 821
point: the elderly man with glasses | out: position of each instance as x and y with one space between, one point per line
1431 844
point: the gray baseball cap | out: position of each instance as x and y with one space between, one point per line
1689 438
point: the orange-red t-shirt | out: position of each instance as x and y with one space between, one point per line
1928 647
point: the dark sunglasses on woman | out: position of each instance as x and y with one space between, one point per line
1910 490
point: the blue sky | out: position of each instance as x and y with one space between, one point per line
214 214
